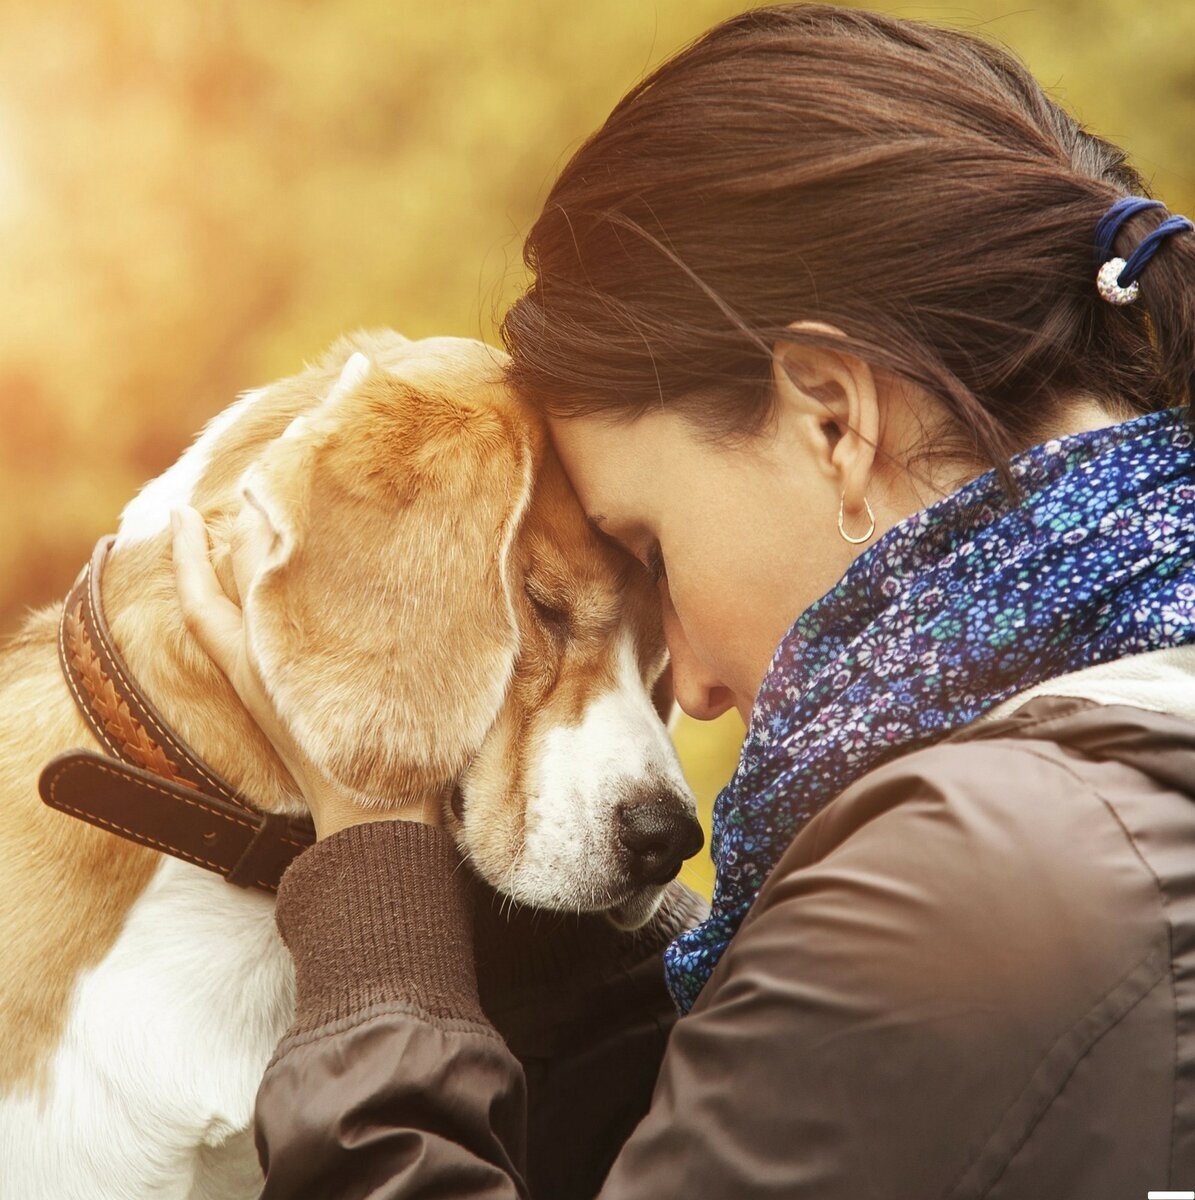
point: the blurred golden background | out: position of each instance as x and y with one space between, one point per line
197 197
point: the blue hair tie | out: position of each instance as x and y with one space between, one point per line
1110 223
1148 247
1117 279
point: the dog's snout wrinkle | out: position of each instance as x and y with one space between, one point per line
658 832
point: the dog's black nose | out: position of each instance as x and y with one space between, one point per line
659 833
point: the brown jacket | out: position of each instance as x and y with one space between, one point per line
971 975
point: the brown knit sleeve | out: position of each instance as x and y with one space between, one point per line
393 1078
378 913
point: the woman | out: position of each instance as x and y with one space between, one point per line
816 321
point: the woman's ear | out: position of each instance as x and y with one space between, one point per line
830 397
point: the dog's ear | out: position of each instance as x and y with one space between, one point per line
381 609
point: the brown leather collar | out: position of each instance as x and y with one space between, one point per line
155 789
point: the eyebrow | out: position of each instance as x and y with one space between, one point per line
595 523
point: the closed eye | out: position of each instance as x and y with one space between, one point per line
553 617
652 561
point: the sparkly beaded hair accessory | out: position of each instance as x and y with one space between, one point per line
1117 278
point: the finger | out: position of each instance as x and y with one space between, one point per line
213 619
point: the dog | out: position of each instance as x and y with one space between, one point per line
429 609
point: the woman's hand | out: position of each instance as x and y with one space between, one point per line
218 626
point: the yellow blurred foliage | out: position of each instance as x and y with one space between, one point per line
196 197
708 750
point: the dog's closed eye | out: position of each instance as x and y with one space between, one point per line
551 614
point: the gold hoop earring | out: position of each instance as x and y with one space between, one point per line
856 541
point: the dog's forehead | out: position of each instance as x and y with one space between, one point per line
554 513
448 363
572 565
472 372
209 472
555 542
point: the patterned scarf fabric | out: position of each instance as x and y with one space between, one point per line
953 610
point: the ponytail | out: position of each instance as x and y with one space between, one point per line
1168 293
1147 271
912 186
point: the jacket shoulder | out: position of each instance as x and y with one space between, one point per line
974 918
918 982
1012 782
997 863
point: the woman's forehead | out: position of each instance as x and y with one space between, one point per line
595 452
614 467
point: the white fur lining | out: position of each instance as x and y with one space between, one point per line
1162 680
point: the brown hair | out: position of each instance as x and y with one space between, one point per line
909 184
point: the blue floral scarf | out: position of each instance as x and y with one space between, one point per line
950 612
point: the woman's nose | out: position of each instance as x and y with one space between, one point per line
696 689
